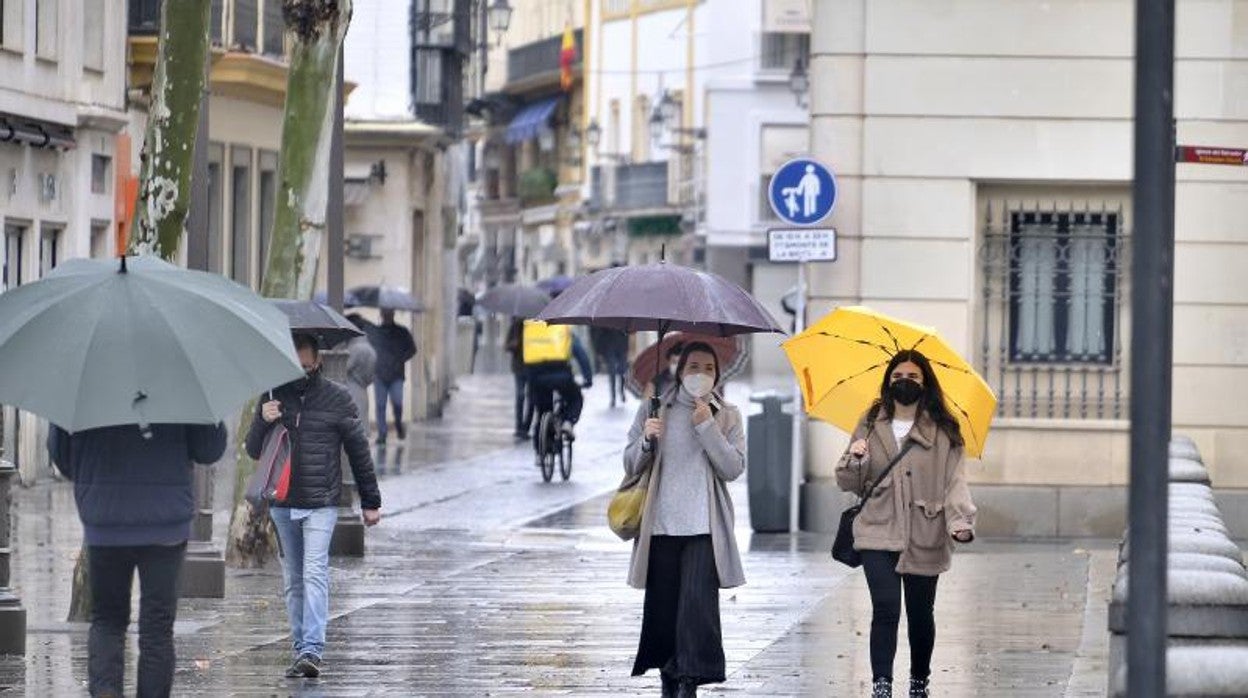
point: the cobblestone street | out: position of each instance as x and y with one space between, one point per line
482 580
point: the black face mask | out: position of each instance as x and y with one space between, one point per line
905 391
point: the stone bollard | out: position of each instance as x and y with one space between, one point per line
12 615
348 539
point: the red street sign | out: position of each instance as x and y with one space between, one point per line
1204 155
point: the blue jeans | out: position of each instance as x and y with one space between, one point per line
388 393
304 535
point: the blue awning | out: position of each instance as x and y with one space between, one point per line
530 120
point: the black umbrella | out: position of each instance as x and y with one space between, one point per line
385 298
660 297
321 321
514 300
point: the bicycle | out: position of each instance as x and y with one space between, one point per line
552 444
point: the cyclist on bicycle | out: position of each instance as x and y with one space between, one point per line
548 351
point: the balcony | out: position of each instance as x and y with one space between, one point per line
637 187
537 64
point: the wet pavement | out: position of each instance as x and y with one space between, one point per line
482 580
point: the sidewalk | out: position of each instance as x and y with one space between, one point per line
482 580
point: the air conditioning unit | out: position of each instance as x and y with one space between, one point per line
361 246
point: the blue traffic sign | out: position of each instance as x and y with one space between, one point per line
802 192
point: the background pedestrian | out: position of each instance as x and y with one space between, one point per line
395 347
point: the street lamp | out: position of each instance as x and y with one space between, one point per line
799 82
593 134
657 124
500 16
669 108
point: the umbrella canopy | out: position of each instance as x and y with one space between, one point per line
556 284
840 363
514 300
97 344
348 300
321 321
660 297
732 353
383 297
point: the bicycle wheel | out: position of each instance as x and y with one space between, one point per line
565 460
546 447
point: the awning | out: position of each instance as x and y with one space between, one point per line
530 120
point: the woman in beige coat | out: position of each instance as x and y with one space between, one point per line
907 528
685 551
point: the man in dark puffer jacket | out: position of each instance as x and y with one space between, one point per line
322 421
134 496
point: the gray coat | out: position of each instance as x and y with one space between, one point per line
727 463
361 363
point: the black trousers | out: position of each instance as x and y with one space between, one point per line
112 575
542 389
680 630
886 587
524 406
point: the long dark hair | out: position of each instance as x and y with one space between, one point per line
692 347
932 403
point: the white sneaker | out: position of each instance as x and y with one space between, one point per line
569 431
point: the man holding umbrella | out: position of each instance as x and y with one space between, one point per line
395 347
321 421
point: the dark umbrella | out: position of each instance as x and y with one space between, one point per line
384 297
514 300
556 284
323 322
660 297
348 300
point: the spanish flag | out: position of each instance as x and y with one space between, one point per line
567 56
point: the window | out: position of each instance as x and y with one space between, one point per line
240 214
216 20
101 173
45 28
274 29
246 22
49 249
13 237
11 25
1054 293
780 52
100 243
216 159
268 208
94 26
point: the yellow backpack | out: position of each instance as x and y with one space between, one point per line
545 343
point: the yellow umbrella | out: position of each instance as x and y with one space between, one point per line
840 363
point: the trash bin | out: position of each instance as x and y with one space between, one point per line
770 462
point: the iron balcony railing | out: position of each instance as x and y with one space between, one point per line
631 187
538 58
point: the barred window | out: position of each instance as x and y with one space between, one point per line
1053 296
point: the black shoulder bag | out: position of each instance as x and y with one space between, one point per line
843 548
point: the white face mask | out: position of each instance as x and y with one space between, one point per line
699 385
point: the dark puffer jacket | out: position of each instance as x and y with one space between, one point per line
322 421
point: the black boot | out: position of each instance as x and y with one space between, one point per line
686 689
919 688
669 686
882 688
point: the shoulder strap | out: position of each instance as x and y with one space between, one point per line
896 459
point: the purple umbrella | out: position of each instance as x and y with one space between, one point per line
660 297
556 284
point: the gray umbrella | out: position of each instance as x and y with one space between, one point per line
321 321
660 297
514 300
98 344
383 297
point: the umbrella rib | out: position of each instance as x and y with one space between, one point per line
863 342
847 379
967 416
896 344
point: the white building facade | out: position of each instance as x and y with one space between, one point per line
62 108
984 157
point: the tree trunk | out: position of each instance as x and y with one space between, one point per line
165 167
317 28
172 124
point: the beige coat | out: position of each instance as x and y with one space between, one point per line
637 461
919 505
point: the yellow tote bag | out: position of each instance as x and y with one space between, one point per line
624 512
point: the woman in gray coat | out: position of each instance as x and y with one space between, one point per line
685 551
